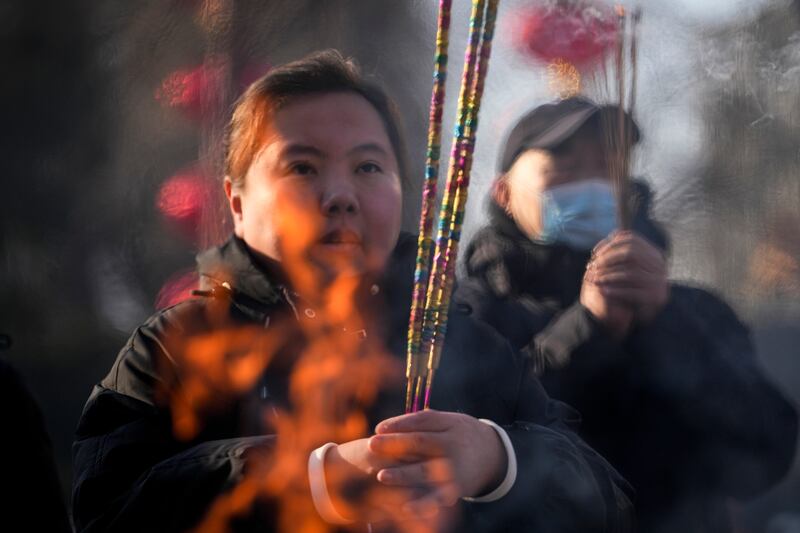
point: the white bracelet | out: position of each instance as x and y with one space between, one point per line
319 489
511 471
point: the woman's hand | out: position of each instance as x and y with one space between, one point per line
449 455
350 479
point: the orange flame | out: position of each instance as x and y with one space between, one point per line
335 379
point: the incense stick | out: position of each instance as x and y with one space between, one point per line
461 194
433 278
425 239
620 174
431 314
635 20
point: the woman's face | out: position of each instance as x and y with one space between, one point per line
324 189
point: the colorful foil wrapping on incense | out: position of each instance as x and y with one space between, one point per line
433 156
432 324
450 227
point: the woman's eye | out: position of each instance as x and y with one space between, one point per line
302 169
369 168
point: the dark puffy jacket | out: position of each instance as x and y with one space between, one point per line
680 407
30 496
133 474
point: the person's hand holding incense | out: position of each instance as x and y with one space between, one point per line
626 268
454 454
350 478
614 315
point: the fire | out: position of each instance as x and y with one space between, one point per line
216 368
335 380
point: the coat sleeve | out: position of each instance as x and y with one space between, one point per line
516 319
700 359
569 487
576 339
551 338
133 477
590 493
562 484
131 473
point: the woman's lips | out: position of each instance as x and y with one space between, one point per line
340 246
343 241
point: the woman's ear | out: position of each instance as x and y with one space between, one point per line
234 195
500 192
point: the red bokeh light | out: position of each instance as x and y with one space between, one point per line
182 199
196 91
192 90
177 288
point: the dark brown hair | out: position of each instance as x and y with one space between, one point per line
321 72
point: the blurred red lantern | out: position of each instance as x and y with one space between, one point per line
177 288
579 32
192 90
195 91
182 199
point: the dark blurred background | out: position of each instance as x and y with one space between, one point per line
112 114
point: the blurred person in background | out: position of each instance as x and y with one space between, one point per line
31 498
228 399
664 375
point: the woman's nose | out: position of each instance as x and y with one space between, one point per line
339 198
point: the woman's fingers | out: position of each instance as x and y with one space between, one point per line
445 495
386 503
407 446
427 420
423 473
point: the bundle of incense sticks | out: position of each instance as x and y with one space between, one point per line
620 139
435 268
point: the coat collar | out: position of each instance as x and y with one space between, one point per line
263 282
233 266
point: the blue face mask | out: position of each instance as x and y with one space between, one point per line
578 215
